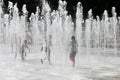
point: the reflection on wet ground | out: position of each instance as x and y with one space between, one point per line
87 68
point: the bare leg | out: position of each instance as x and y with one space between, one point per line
73 62
23 55
49 57
42 61
72 59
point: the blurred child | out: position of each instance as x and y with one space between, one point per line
74 50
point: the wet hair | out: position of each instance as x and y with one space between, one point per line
25 41
73 37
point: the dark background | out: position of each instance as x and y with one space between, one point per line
98 6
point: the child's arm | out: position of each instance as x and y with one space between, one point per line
27 47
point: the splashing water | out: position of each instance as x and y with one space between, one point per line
94 36
98 44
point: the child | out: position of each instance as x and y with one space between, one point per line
23 50
47 51
73 50
49 44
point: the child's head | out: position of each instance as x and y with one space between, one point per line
73 38
25 41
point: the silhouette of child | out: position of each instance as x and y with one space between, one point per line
73 52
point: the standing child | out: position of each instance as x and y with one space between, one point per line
23 49
47 50
74 49
49 44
